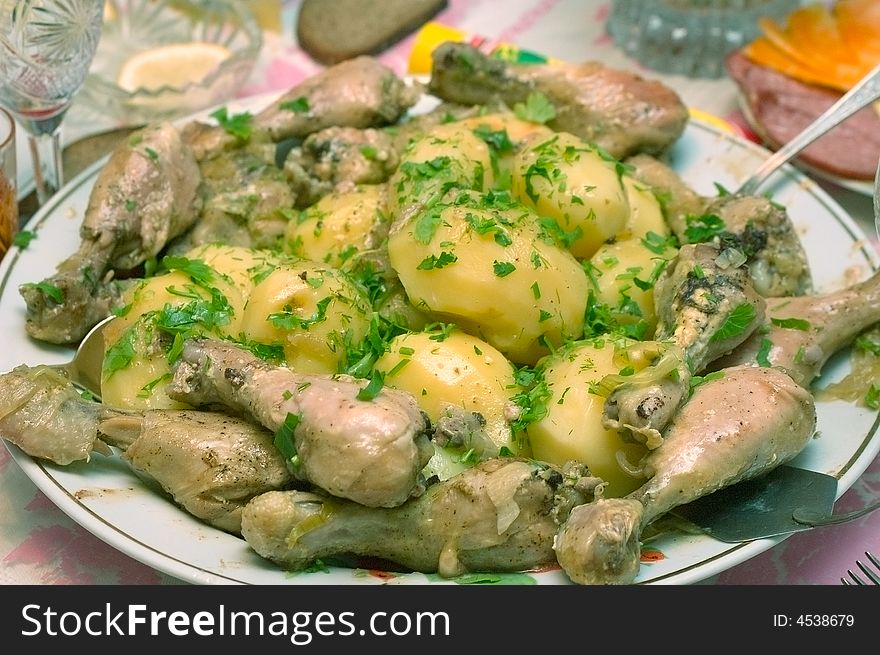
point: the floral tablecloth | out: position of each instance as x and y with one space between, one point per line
40 545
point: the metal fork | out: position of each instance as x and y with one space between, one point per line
859 97
872 575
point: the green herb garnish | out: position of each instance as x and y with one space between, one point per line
238 125
377 381
537 108
791 323
298 106
23 239
735 324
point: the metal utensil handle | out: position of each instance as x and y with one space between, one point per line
858 97
814 519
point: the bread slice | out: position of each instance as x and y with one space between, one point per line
334 30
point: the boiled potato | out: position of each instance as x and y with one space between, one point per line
454 369
338 226
136 370
484 263
244 266
572 428
505 134
156 309
624 273
315 314
457 370
517 129
446 156
646 213
569 180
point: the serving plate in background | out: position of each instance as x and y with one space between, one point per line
864 187
132 515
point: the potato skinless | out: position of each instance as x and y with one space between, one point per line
568 179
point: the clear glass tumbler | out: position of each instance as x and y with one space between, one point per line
689 37
8 198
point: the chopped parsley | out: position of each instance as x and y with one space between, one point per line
288 320
698 380
284 438
656 243
872 397
298 106
763 353
377 381
432 262
497 140
56 294
426 225
791 323
491 226
703 228
238 125
735 324
121 353
197 269
23 238
532 401
864 343
537 108
503 269
553 232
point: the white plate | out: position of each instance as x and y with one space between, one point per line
864 187
126 512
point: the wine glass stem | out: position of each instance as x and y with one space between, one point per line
46 158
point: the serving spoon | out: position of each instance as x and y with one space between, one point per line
84 370
860 96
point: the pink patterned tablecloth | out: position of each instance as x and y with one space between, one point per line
39 544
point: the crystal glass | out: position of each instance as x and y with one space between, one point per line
46 48
8 200
689 37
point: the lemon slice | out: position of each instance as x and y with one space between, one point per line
172 65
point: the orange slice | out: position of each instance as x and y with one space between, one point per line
830 47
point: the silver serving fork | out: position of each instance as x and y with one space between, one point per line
872 574
859 97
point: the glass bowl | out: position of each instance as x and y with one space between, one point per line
142 28
689 37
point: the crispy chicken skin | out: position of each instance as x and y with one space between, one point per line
759 228
145 196
705 309
370 451
734 428
621 112
500 515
